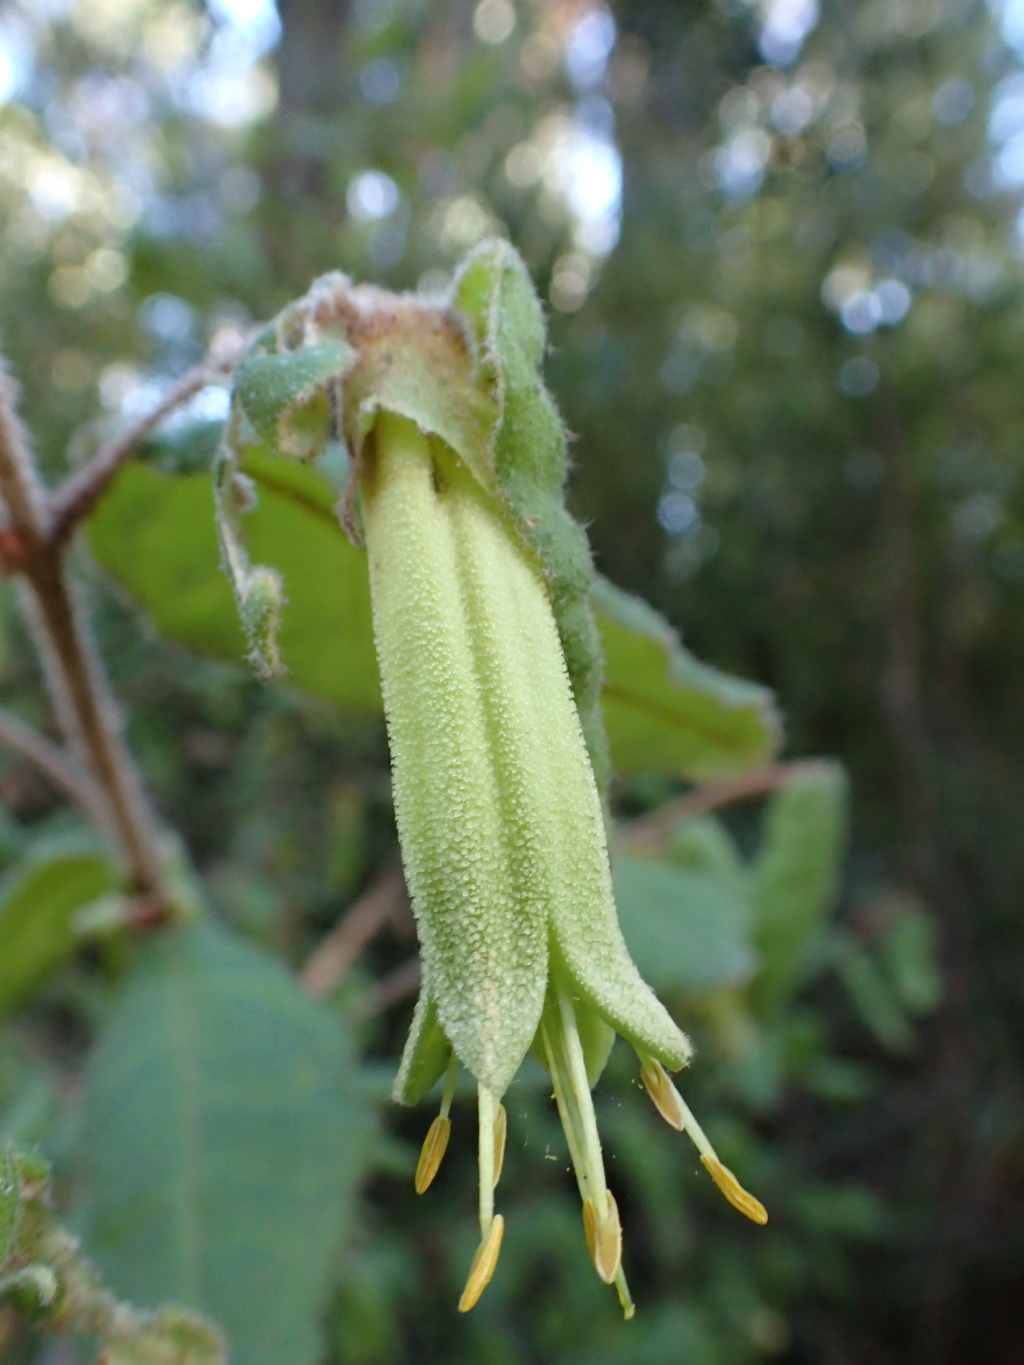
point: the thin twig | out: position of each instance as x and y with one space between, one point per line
648 834
87 713
24 495
328 964
60 770
74 675
79 493
396 986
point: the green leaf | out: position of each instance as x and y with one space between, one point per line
425 1055
326 634
222 1136
686 931
705 845
155 534
37 901
666 712
283 394
910 951
796 875
872 995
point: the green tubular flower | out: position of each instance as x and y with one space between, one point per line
491 673
502 831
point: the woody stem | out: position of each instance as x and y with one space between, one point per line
78 687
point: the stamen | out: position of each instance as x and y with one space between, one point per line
664 1095
608 1243
486 1105
590 1228
567 1112
449 1085
737 1196
604 1239
500 1133
435 1144
483 1266
566 1063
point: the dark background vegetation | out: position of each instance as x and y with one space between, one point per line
791 358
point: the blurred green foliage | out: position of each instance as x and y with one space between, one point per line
822 493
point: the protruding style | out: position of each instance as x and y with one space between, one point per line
677 1113
435 1144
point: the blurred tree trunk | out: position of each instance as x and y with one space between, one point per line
311 57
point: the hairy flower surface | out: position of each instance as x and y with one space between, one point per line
491 672
502 830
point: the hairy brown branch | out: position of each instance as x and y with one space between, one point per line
85 708
24 495
78 495
648 834
383 901
59 769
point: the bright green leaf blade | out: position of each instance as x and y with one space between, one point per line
155 533
326 634
687 931
222 1136
665 711
37 901
796 875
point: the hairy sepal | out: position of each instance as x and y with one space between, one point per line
285 394
528 456
425 1055
281 391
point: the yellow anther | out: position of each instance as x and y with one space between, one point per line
484 1262
604 1238
737 1196
435 1144
590 1228
608 1256
663 1093
500 1133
